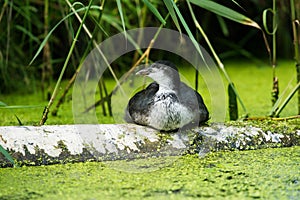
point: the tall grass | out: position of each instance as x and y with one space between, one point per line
54 31
296 37
279 103
46 111
7 155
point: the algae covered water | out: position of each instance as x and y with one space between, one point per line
255 174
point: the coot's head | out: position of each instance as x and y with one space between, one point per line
163 72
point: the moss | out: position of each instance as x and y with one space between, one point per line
41 158
270 125
287 128
264 174
61 145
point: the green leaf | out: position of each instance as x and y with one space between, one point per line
116 23
121 15
154 11
6 155
100 26
236 3
78 3
2 104
187 29
170 8
223 25
51 31
19 121
276 110
28 33
220 64
265 12
225 12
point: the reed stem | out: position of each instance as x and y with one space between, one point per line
296 34
47 109
220 64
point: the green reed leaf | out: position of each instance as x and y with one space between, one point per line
225 12
187 29
7 155
154 11
28 33
121 15
265 21
2 104
170 8
19 106
52 30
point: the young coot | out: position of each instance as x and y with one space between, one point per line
166 104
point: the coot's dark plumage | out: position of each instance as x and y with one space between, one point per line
166 104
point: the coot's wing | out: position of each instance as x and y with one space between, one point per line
204 114
194 101
139 105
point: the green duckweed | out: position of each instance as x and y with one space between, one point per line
257 174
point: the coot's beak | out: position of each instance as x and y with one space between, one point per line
144 72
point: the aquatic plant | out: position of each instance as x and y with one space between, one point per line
7 155
279 102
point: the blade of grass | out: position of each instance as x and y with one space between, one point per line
119 5
225 12
28 33
44 118
116 24
19 121
19 106
265 21
97 46
54 28
189 32
7 155
99 26
295 89
155 11
223 25
236 3
280 98
230 14
3 9
29 28
296 30
273 57
5 106
220 64
8 35
2 104
276 109
172 13
87 49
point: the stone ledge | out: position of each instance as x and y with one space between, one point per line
37 145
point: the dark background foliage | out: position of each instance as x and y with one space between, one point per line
23 28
